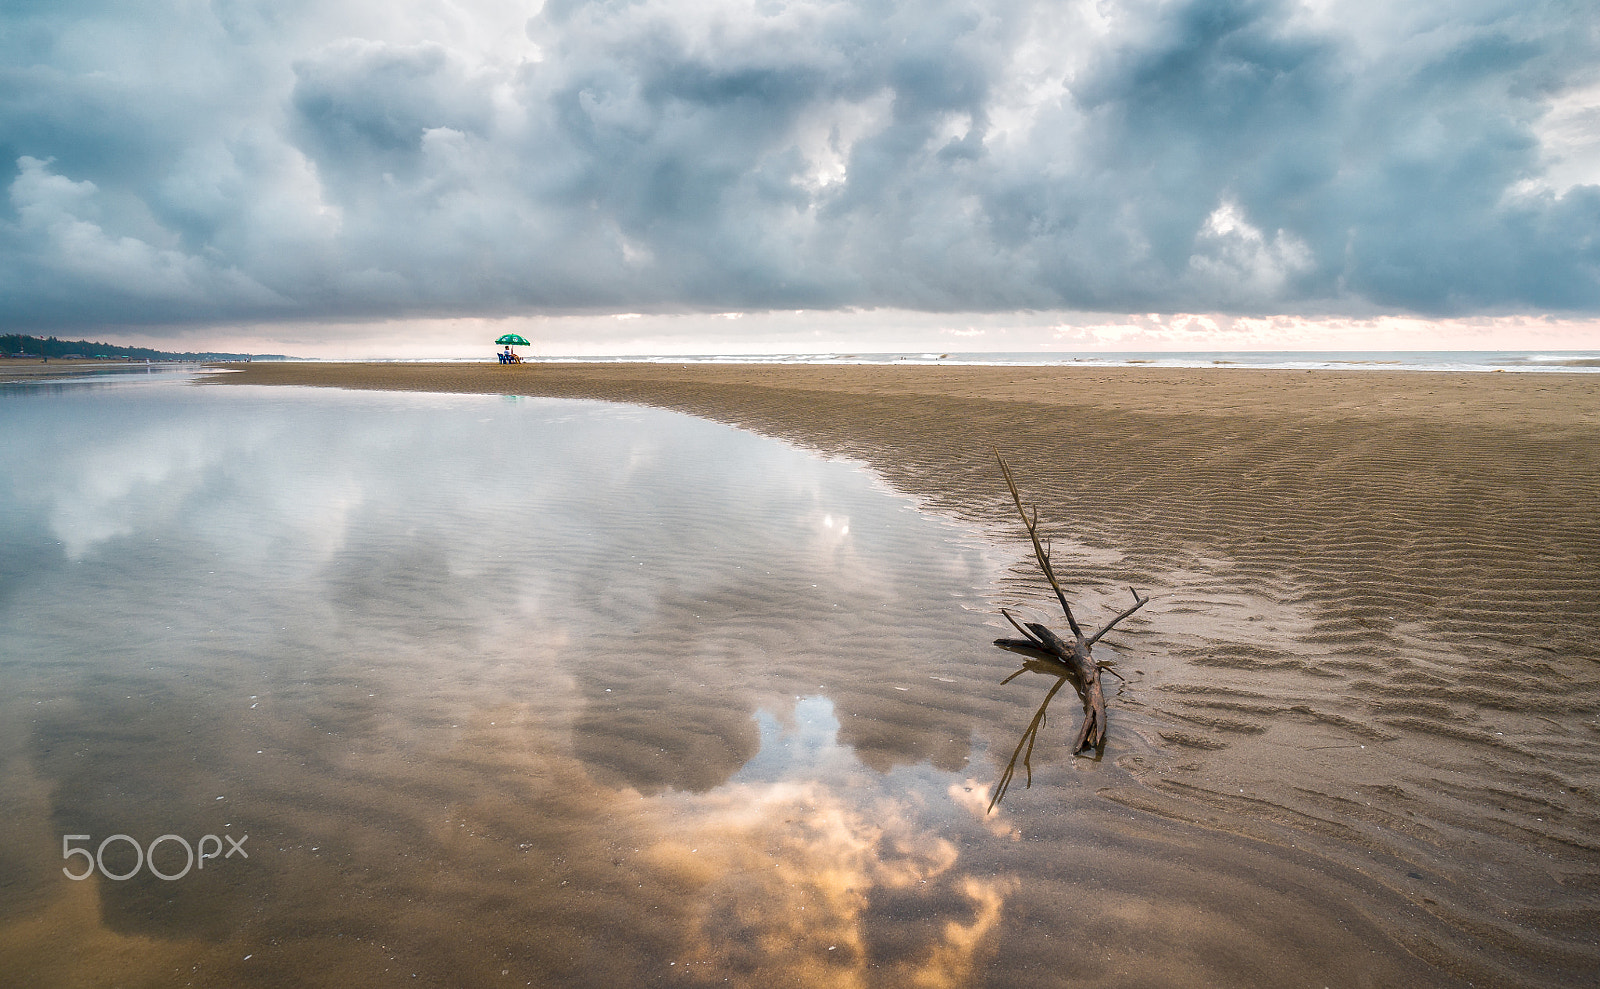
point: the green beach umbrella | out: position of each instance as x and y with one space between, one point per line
513 340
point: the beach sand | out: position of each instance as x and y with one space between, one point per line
1372 641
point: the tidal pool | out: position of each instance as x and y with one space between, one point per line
509 691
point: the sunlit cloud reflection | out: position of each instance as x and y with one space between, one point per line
803 859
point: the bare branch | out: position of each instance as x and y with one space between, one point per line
1041 660
1055 655
1039 551
1018 626
1138 602
1087 734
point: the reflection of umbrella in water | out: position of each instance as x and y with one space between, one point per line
512 340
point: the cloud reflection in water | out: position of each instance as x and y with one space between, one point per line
818 870
548 687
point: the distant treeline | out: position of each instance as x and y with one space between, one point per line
14 344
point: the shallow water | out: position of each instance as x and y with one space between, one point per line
516 691
413 644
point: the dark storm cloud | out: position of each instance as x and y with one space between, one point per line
279 161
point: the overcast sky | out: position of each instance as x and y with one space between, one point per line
322 170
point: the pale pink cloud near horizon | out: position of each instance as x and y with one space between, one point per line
808 332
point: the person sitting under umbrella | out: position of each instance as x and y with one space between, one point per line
509 356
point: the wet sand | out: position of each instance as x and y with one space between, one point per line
27 368
1372 651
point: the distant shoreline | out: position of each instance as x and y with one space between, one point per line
1480 361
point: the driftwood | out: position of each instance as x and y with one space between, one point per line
1050 654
